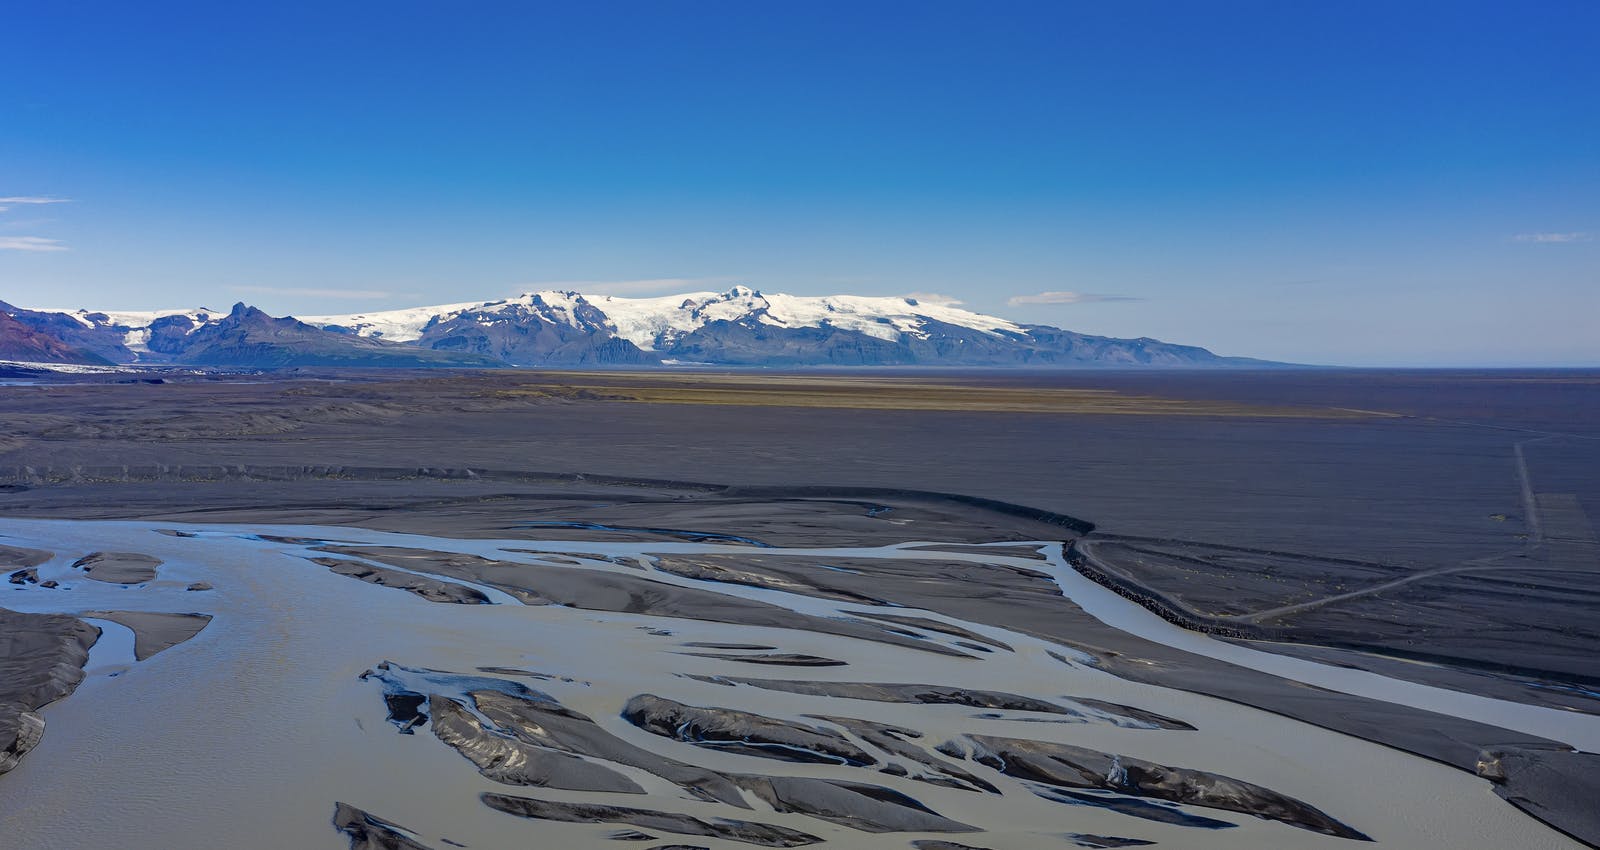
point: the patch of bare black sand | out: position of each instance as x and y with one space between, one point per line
1499 685
971 697
745 832
1558 787
370 832
1066 766
118 567
776 659
532 505
1232 581
1480 621
593 590
1475 617
154 632
41 661
430 589
731 730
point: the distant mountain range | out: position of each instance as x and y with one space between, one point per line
740 327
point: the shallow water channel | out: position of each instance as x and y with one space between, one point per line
246 735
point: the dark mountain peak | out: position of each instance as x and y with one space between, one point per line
19 341
243 312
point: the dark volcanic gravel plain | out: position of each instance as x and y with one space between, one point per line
1374 520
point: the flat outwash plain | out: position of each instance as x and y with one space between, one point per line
983 610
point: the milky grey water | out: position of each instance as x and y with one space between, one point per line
247 734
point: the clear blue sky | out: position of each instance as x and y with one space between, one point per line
1363 182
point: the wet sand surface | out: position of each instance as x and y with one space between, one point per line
305 725
118 567
41 661
154 631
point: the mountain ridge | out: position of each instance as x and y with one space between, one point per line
740 327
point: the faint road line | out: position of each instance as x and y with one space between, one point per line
1259 616
1530 505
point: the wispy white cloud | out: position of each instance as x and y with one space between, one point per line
30 243
313 292
1553 238
643 286
1063 297
28 200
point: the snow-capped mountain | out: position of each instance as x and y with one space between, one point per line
658 323
739 327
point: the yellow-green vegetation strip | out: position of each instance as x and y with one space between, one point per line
880 393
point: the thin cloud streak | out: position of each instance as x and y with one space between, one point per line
22 200
1553 238
30 243
312 292
1065 297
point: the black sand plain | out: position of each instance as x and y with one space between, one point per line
1370 519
